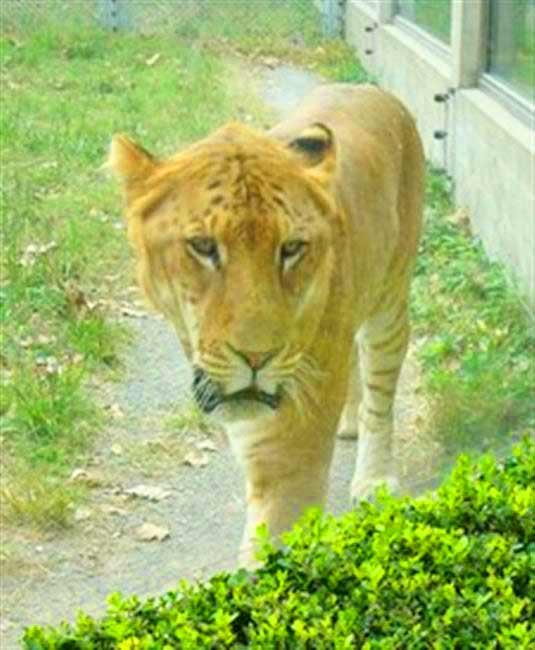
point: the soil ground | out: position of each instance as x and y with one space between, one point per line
198 507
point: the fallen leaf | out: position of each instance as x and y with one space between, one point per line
269 61
6 625
153 59
108 509
33 251
151 492
150 532
460 218
195 458
130 312
80 475
454 365
51 364
75 296
207 445
116 411
116 449
43 339
82 513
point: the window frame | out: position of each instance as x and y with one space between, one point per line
506 96
433 43
499 89
439 46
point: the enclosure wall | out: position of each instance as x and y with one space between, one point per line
486 148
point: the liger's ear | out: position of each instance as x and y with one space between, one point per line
129 162
316 148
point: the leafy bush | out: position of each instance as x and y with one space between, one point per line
449 570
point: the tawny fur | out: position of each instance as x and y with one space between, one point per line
334 322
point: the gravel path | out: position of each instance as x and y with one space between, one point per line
201 511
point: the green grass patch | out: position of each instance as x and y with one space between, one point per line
451 570
290 32
477 341
50 417
189 418
37 501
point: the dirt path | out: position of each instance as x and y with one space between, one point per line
199 508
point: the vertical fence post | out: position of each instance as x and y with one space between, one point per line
386 11
113 14
468 36
333 18
341 18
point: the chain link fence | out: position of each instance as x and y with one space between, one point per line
296 20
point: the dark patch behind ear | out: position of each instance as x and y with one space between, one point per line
314 143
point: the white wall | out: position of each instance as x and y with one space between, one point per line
489 151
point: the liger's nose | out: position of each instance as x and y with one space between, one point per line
256 360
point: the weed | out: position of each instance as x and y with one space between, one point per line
38 501
96 338
158 454
476 340
50 415
337 61
189 418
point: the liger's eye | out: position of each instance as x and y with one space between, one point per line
204 248
291 251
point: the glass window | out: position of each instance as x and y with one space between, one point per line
512 43
432 15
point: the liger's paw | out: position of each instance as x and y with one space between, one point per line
348 428
347 433
366 488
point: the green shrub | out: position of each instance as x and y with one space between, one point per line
449 570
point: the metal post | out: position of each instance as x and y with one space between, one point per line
113 14
468 38
387 10
342 18
333 12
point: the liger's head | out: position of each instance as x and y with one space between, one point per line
234 238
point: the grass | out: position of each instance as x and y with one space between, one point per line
43 503
189 418
266 29
477 342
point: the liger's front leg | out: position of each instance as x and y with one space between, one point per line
286 473
383 344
